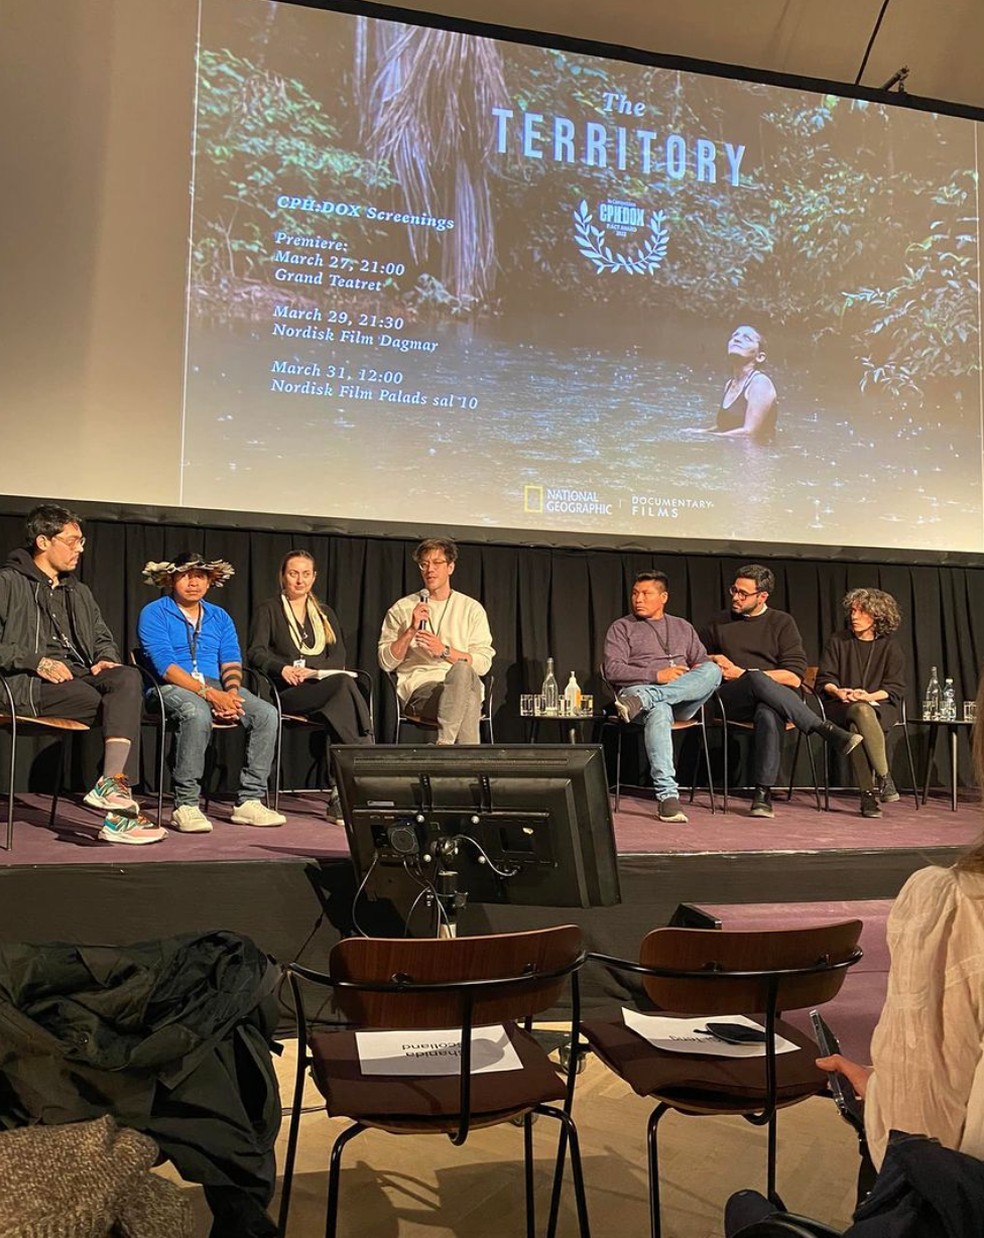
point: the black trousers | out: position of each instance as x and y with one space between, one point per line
754 697
337 700
114 696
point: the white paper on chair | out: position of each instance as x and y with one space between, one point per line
328 674
682 1036
435 1053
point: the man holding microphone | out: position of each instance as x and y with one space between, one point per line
439 644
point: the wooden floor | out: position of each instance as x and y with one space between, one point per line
417 1186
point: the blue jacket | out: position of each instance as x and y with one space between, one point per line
167 638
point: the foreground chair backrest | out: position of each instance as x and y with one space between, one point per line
430 984
709 973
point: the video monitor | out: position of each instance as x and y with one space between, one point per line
522 824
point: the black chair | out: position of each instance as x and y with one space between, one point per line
156 717
721 973
19 724
302 722
808 692
903 723
699 720
455 983
428 724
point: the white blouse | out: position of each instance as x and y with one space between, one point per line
927 1048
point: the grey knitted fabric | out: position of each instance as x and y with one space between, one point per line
86 1180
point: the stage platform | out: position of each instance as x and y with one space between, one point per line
292 888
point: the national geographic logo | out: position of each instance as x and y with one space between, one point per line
551 500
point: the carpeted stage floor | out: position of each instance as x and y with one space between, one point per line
797 828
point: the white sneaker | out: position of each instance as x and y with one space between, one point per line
189 819
255 813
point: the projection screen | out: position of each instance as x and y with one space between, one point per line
442 280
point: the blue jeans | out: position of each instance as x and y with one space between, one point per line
194 719
666 703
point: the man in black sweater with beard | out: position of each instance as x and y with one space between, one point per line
762 661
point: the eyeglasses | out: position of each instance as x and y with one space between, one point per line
741 595
73 543
432 563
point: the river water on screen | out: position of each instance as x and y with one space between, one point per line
570 436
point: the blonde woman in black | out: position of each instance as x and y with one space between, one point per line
295 639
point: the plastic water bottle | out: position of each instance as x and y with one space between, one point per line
551 691
572 696
931 701
948 710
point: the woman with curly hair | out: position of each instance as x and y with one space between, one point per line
862 679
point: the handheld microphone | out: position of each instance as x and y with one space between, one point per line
425 598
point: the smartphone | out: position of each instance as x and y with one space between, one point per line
735 1033
843 1093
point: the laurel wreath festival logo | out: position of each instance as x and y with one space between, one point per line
624 219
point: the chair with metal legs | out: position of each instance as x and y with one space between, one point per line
25 724
304 722
748 727
699 720
403 719
461 984
722 973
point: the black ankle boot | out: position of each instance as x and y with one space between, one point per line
762 803
869 804
886 789
840 740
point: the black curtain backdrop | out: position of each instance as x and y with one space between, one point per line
541 601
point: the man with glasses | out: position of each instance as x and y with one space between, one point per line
439 644
59 660
760 653
661 674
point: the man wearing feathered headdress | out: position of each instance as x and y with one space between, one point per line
192 648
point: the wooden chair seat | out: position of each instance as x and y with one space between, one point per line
429 1104
53 724
694 1083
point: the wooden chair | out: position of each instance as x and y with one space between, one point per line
454 983
613 721
404 719
724 973
808 692
18 724
303 722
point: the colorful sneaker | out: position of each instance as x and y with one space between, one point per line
189 819
137 830
112 795
255 813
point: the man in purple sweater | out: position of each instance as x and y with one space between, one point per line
661 672
761 656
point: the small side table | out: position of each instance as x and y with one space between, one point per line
953 729
574 723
